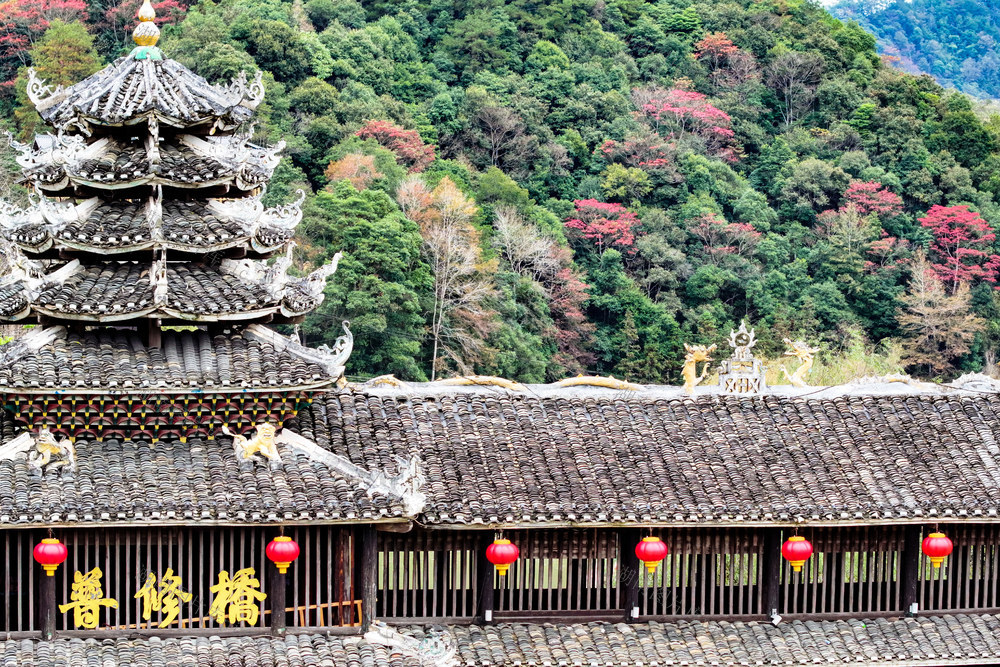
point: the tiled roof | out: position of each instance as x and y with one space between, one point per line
251 359
184 162
14 303
117 291
930 640
120 291
129 91
597 457
130 225
193 482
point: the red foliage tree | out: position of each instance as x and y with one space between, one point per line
887 254
605 224
573 332
960 249
647 151
720 238
411 150
870 197
728 66
683 112
21 23
715 49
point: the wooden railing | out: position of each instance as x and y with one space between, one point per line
710 573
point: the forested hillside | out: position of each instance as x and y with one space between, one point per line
536 188
954 40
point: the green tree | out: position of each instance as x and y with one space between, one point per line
64 55
382 284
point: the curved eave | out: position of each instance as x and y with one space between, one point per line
266 250
192 248
156 313
440 521
12 390
37 248
231 180
228 244
180 519
221 317
161 118
17 317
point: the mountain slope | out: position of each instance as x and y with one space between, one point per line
953 40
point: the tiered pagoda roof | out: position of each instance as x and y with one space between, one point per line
124 291
56 359
136 225
145 210
66 165
142 88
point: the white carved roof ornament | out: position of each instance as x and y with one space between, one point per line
85 225
24 227
742 373
315 282
405 483
438 649
187 161
247 211
52 151
337 356
158 280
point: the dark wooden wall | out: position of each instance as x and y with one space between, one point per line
320 584
710 573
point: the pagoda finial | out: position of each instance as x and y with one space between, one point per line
146 34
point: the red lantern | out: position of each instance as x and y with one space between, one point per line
50 553
796 550
936 547
282 550
651 551
502 553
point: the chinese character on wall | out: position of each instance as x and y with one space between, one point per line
86 601
236 598
166 598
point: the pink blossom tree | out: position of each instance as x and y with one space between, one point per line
960 249
682 113
871 197
606 225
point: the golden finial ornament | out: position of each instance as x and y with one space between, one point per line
146 33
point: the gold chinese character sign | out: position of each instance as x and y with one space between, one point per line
236 598
86 601
166 598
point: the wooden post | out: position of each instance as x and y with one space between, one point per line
277 598
154 335
910 570
48 606
484 580
629 572
770 571
369 575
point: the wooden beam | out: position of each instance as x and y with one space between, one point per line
629 572
770 571
369 574
910 570
484 581
276 601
